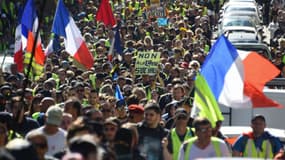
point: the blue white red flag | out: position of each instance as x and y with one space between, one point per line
236 78
64 25
30 24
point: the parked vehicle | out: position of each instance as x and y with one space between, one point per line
254 15
5 62
260 48
236 34
240 6
242 116
237 21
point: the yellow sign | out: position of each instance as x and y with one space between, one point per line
154 3
147 63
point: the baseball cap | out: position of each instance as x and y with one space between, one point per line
180 112
258 116
54 115
136 108
173 103
64 64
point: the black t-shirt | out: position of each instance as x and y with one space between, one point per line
25 126
149 144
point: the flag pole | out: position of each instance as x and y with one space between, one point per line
5 54
31 58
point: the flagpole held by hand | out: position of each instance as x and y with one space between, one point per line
32 54
5 54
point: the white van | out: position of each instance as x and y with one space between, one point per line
5 62
242 117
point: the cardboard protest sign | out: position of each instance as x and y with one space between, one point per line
147 63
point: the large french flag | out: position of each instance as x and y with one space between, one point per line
64 25
234 78
30 24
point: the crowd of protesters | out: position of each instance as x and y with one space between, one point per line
69 112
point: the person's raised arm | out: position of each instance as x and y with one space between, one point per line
166 154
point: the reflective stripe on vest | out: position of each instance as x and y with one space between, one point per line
37 69
254 152
93 80
56 78
176 143
12 10
12 134
214 141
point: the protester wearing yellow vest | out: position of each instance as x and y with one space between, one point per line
258 143
177 135
203 145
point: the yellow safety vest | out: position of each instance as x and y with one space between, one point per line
176 143
36 68
254 152
137 5
55 77
214 140
205 11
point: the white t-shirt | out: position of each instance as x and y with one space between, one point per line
208 152
272 27
56 142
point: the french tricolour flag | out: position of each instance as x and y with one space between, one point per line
64 25
116 45
30 25
234 78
